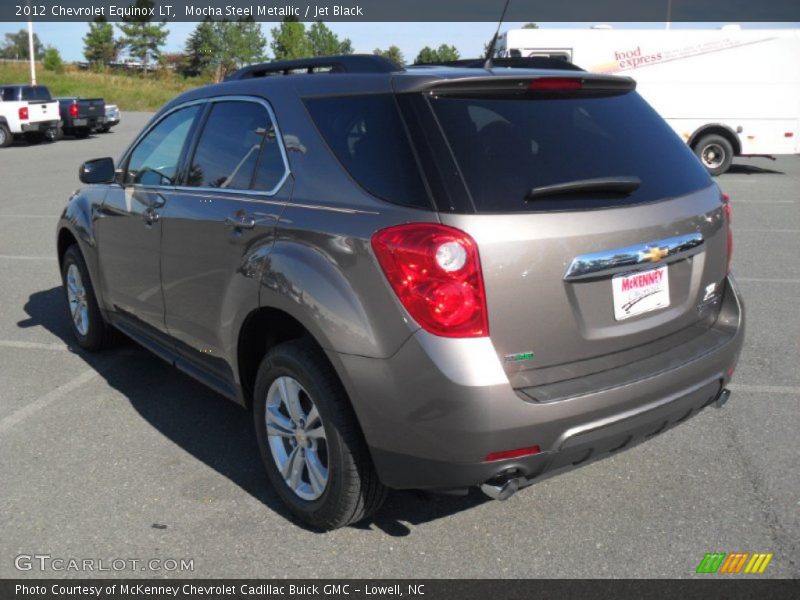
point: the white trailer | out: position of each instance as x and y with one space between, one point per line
726 92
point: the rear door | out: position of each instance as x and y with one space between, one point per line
222 215
581 281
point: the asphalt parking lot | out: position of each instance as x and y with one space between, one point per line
120 456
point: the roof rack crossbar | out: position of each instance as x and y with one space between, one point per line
347 63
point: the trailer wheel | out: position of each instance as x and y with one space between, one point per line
715 152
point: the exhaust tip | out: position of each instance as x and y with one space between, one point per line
502 491
722 398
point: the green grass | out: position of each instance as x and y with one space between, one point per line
129 92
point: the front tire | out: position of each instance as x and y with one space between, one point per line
310 441
715 152
88 326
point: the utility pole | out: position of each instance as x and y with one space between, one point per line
30 47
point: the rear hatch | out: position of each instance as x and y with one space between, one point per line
601 238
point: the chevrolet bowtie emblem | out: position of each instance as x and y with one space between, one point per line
655 254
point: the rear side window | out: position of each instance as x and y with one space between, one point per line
506 147
7 94
367 136
229 146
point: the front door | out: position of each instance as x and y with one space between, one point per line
129 226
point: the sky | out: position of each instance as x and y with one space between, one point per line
469 38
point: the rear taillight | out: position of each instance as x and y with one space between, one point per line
436 273
726 205
554 84
73 110
23 113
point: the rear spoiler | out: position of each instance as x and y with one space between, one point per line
534 86
527 62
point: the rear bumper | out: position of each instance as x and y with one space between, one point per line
430 419
84 122
39 126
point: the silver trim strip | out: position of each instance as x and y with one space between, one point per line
616 260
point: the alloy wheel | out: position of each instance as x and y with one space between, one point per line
296 438
78 304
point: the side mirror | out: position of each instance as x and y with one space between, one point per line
99 170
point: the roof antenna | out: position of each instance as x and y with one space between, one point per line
490 51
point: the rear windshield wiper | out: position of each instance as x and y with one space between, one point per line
614 185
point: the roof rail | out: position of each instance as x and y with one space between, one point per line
346 63
528 62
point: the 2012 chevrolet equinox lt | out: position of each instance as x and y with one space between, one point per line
431 278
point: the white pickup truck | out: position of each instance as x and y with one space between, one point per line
27 111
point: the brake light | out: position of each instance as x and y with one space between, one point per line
73 110
726 205
555 84
23 113
506 454
436 273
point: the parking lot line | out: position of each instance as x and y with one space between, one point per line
28 410
767 389
32 345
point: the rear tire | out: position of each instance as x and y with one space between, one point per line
352 491
88 326
715 152
5 136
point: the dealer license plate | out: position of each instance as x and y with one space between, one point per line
641 292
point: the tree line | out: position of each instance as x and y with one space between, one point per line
215 48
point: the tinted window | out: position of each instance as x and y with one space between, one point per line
506 147
367 136
229 146
35 92
155 160
7 94
271 168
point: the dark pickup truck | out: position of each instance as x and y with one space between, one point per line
80 116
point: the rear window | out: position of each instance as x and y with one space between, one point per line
506 147
367 135
35 92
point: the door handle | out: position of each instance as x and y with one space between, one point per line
241 221
150 216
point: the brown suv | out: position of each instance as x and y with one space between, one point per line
430 278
